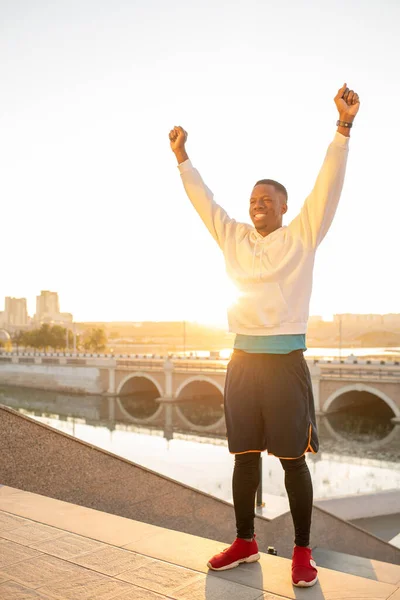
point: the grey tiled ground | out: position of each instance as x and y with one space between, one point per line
39 571
68 546
160 577
85 586
31 533
357 565
112 561
141 594
212 588
40 560
11 553
15 591
8 521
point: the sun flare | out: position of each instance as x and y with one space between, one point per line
213 304
230 293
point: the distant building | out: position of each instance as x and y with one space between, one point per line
47 304
15 312
368 322
315 320
354 319
392 321
66 317
48 309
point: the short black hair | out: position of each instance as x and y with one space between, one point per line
278 186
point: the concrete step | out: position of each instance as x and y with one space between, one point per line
385 527
171 552
357 565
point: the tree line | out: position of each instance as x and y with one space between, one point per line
55 337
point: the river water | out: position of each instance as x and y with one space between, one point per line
354 456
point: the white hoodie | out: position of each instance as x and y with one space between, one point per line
274 273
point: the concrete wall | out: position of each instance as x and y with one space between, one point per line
37 458
93 409
86 380
363 506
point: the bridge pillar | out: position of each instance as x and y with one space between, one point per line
111 380
168 370
168 423
315 373
111 409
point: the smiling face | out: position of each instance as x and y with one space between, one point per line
267 207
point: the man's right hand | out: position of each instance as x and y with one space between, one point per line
177 139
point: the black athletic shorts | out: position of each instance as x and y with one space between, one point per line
269 404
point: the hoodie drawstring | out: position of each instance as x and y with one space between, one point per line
260 259
254 257
260 263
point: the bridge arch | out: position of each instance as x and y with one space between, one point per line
361 387
148 378
336 431
196 378
216 425
142 375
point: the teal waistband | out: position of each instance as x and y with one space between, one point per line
270 344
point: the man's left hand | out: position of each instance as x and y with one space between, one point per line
347 102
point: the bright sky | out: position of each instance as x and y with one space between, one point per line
92 205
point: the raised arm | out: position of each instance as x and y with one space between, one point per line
318 210
213 216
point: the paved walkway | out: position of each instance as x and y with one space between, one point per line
54 550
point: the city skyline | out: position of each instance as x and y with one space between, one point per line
16 314
48 310
93 203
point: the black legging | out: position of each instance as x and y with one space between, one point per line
298 485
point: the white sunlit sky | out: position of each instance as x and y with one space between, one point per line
92 205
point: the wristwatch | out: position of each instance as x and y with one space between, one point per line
343 124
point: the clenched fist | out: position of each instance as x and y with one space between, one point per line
177 140
347 102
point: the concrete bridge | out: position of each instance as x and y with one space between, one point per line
154 389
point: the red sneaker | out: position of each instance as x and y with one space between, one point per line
240 551
304 572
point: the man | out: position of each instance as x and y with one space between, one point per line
268 394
